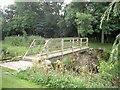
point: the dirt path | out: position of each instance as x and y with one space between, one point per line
16 65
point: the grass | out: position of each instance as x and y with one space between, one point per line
19 50
11 81
12 50
106 46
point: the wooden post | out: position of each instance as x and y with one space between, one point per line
29 48
80 42
72 45
44 47
73 42
47 49
87 42
77 41
62 46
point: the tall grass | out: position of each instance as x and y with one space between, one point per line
22 41
14 46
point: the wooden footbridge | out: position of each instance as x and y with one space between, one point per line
57 48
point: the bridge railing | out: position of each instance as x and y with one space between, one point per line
63 44
54 45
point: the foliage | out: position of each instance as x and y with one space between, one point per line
55 19
14 46
31 17
115 50
106 46
110 70
12 52
108 75
67 61
22 41
10 81
83 22
114 5
66 80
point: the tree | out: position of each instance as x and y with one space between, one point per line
115 5
34 18
70 16
83 22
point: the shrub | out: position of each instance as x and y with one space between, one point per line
14 46
67 61
23 41
56 80
39 40
15 40
53 79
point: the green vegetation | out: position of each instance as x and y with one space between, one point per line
66 80
106 46
77 18
108 75
23 22
9 80
14 46
83 22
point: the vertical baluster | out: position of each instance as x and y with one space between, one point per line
29 48
72 45
73 42
77 41
62 46
87 42
80 42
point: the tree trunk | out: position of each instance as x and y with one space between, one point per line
102 37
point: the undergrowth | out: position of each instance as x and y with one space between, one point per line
14 46
108 76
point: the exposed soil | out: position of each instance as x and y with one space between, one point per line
87 59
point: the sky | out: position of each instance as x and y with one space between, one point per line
8 2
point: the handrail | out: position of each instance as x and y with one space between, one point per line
72 43
29 48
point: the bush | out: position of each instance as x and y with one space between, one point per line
15 40
67 80
67 61
53 79
23 41
17 46
39 40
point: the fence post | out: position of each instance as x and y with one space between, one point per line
47 49
73 42
29 48
87 42
80 42
72 45
77 41
43 49
62 46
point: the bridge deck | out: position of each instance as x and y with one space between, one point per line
55 55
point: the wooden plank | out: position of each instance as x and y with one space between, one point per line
66 52
29 48
80 42
58 54
73 42
87 42
62 46
70 47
